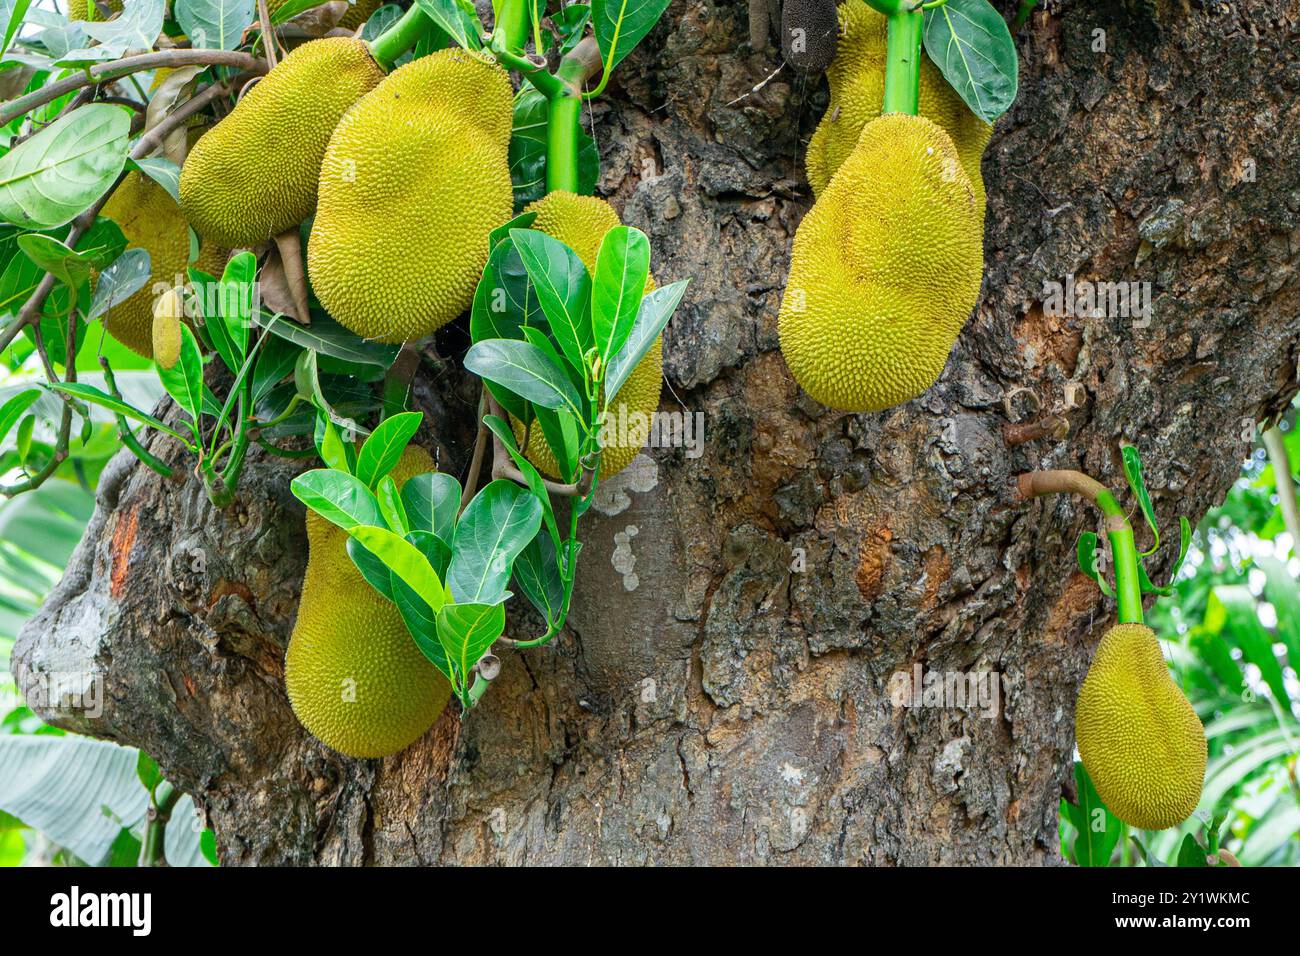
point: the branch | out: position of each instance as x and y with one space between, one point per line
126 66
503 466
1276 445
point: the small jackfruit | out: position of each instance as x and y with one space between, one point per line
85 10
885 270
358 12
580 222
809 31
857 83
353 673
167 314
415 178
151 220
254 174
1139 738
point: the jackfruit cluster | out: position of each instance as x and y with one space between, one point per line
151 220
885 269
581 222
355 678
254 174
857 83
358 12
414 179
809 31
1139 738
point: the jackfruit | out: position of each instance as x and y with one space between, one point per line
355 678
1139 738
857 82
254 174
885 269
167 314
414 179
86 10
151 220
580 222
809 31
358 13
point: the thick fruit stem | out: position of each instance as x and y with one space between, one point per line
1123 549
400 37
562 124
511 29
903 62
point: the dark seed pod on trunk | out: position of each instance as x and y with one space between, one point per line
809 31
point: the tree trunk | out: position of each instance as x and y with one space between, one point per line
722 694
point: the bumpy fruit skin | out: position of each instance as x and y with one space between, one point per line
580 222
884 271
254 174
151 220
809 30
87 11
1140 740
415 178
167 314
354 676
857 82
358 13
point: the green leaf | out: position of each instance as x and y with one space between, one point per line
1280 589
420 619
466 631
622 267
326 337
621 24
126 276
330 445
338 497
68 266
971 45
51 178
146 768
236 291
184 380
457 18
390 505
1098 829
1133 473
1233 611
17 11
656 309
1086 555
406 562
538 574
162 171
214 24
1191 854
383 449
524 369
274 364
135 28
13 409
531 475
563 288
97 397
560 429
528 146
372 568
496 526
432 501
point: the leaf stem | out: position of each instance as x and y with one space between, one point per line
1275 443
389 46
903 62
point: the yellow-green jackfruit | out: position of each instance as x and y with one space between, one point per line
254 174
857 83
354 675
885 270
151 220
1140 740
358 13
580 222
87 11
415 178
167 314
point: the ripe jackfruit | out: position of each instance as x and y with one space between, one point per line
354 675
358 13
580 222
1140 741
87 11
254 174
414 179
857 82
885 270
809 31
151 220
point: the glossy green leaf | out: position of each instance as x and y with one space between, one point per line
184 380
383 449
372 568
326 337
466 632
1098 830
971 45
524 369
621 24
458 19
390 505
1087 556
338 497
622 267
126 276
101 398
563 287
538 574
214 24
495 527
51 178
531 475
432 501
656 309
12 410
528 146
404 560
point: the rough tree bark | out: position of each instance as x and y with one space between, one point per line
708 704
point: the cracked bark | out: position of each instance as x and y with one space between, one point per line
708 704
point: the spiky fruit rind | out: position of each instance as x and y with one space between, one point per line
884 271
581 222
151 220
254 174
355 678
358 12
167 314
1139 738
415 178
857 83
85 10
